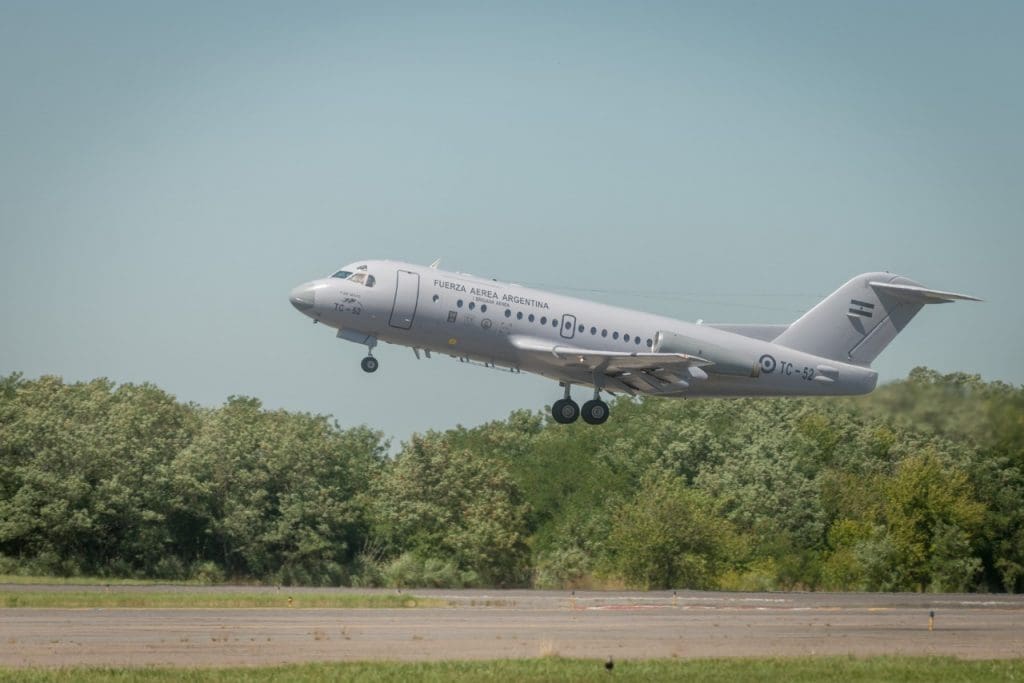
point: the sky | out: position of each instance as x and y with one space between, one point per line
169 171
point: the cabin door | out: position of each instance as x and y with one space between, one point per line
407 291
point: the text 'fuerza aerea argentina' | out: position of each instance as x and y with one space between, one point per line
491 294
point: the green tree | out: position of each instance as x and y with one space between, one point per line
667 537
932 520
458 505
83 474
272 494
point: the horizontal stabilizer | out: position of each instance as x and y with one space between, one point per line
920 295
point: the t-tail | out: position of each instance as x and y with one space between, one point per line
857 321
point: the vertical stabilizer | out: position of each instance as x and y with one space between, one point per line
857 321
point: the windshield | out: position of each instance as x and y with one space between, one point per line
360 276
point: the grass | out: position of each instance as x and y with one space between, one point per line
795 670
89 581
114 598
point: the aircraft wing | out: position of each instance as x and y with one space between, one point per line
629 371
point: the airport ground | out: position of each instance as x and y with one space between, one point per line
484 625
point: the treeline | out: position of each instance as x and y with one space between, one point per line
919 486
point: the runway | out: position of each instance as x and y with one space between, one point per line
514 624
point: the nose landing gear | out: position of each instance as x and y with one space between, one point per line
370 364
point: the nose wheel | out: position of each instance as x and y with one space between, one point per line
369 364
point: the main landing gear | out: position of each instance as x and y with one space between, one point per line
595 412
566 411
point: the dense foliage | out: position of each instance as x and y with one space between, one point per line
919 486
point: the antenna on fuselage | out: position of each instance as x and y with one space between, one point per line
435 264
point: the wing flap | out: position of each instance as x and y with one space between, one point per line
609 361
637 371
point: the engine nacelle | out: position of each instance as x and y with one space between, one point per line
726 361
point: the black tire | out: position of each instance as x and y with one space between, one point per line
565 411
369 364
595 412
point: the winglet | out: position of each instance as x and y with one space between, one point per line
920 295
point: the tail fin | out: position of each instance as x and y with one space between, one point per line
858 320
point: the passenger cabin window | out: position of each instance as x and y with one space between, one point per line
343 274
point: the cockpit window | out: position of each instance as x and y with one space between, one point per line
360 276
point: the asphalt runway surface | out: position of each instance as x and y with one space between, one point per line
512 624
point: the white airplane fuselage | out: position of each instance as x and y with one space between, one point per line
509 326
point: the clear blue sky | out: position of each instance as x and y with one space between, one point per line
168 171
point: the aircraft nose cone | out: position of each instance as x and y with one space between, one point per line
303 297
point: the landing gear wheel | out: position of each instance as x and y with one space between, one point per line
595 412
565 411
369 364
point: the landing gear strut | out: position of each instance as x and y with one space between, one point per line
565 410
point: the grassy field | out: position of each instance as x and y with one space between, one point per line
924 669
114 598
89 581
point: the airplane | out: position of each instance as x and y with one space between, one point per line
826 352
